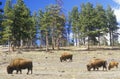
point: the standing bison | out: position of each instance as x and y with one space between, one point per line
112 64
96 63
18 64
66 56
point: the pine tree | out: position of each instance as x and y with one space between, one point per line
44 25
1 28
74 21
52 24
22 23
87 21
68 28
100 22
8 23
111 23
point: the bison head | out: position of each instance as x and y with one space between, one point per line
89 67
9 70
61 59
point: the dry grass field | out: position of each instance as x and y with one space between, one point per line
47 65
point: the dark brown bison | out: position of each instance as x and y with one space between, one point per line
96 63
66 56
112 64
18 64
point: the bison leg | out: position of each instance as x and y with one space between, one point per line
71 59
97 68
94 68
116 66
61 60
65 59
17 71
108 67
104 67
20 71
29 70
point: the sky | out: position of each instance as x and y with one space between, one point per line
35 5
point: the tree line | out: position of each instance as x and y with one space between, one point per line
21 28
91 23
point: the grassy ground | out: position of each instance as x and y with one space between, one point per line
48 66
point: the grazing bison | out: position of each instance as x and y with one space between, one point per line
112 64
96 63
66 56
18 64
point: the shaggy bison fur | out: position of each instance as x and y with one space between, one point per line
96 63
66 56
112 64
18 64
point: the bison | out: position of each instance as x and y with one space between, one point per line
96 63
66 56
18 64
112 64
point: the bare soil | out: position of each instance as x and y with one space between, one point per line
47 65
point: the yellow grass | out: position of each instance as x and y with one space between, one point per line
47 65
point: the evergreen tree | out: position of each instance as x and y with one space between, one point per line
111 23
8 23
87 21
57 23
74 21
22 23
8 20
44 25
52 24
68 28
1 28
36 29
1 10
42 34
100 21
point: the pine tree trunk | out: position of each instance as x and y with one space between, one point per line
12 46
9 45
21 43
58 41
99 40
68 39
73 39
76 39
53 42
110 39
88 44
47 42
84 41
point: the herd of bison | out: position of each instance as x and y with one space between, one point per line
94 64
